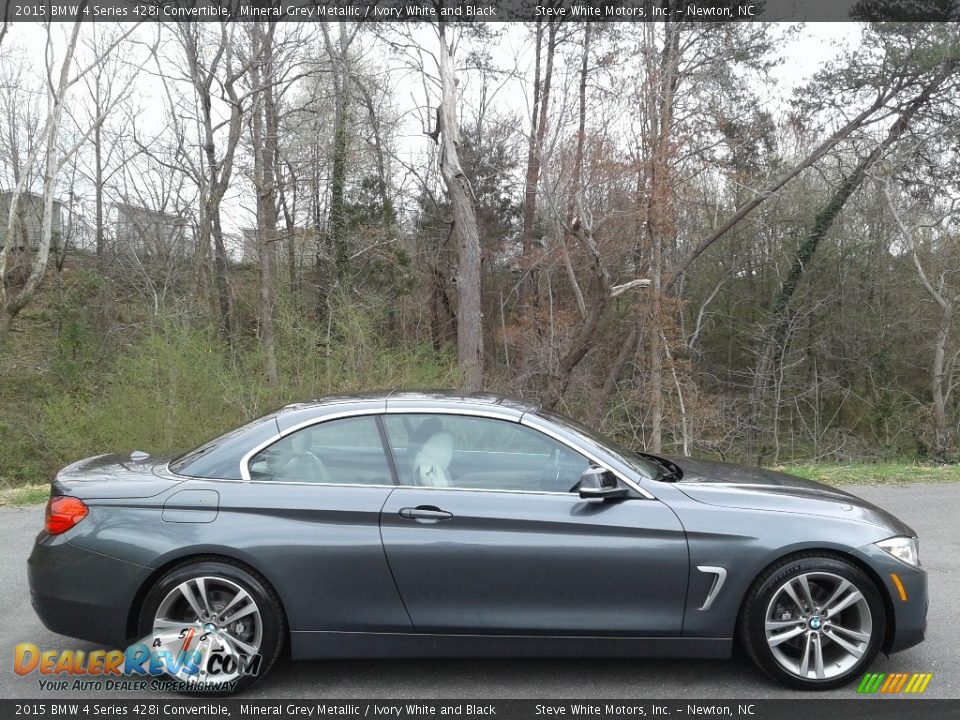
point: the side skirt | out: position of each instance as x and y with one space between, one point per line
308 645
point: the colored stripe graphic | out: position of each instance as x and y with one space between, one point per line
871 682
894 683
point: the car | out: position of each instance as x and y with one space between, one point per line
436 524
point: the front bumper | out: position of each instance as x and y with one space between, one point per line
909 615
81 593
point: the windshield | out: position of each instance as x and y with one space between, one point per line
624 454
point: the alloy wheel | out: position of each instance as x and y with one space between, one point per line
208 615
818 625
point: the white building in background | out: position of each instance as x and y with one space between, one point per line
27 231
150 233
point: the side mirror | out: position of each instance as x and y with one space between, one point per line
598 482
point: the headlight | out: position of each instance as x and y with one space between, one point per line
905 549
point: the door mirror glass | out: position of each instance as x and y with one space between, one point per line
598 482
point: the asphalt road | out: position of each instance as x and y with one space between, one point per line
932 510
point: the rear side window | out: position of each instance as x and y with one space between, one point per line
347 451
219 459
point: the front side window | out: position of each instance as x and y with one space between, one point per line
460 451
347 451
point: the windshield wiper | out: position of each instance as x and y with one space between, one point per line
670 472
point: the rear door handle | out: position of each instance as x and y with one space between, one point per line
425 514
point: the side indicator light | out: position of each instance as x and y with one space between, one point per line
899 585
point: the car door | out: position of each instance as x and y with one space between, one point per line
491 539
309 516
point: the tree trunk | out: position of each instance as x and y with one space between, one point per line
98 188
538 129
219 171
264 128
660 212
10 307
469 308
941 425
339 59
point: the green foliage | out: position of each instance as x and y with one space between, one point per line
24 495
182 385
873 473
176 387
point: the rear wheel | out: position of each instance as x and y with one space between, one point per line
213 625
813 621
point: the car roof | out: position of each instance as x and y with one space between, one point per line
419 401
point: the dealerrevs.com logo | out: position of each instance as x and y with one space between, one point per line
893 683
184 659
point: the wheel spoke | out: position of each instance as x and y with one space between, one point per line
805 660
202 591
788 589
166 624
188 593
238 598
781 624
234 640
817 656
242 612
854 596
855 634
774 640
838 591
846 645
805 591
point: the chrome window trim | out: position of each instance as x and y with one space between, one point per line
473 412
288 482
245 460
427 410
487 490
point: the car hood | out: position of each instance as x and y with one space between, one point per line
728 485
118 475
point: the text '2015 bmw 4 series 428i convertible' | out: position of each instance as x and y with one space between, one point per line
434 524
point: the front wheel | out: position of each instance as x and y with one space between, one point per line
813 621
212 626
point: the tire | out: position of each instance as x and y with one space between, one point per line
846 622
226 627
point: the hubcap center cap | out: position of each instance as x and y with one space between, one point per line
815 622
209 627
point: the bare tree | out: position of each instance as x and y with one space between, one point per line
339 55
775 335
59 83
469 308
542 81
210 64
947 301
263 124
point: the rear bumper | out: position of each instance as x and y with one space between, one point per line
81 593
909 615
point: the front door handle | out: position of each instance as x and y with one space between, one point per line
425 514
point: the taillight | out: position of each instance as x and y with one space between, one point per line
63 513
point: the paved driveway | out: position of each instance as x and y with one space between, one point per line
933 510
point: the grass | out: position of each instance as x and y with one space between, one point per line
873 473
23 495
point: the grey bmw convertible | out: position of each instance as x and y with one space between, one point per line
433 524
